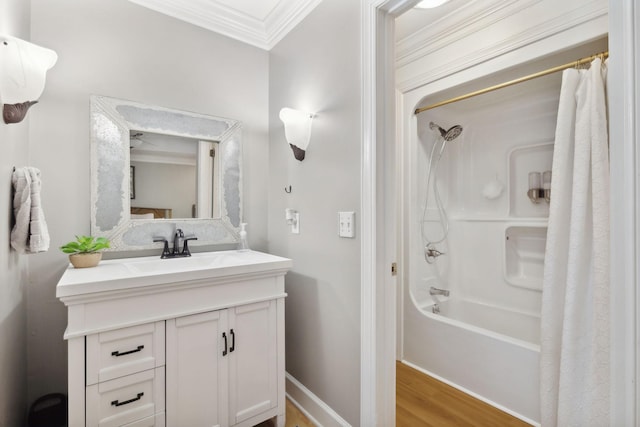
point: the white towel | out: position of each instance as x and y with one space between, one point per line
30 233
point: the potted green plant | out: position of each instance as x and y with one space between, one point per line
85 251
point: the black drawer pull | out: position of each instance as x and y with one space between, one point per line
118 354
233 341
224 336
138 397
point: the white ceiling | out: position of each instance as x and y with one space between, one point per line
261 23
415 20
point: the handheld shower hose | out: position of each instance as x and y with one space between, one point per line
430 251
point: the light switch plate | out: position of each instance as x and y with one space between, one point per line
346 224
293 220
295 227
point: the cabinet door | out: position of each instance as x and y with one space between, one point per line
197 370
253 363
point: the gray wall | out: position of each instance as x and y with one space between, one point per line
118 49
14 145
317 68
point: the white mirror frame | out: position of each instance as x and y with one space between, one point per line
111 122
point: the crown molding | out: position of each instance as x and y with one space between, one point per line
222 19
475 16
424 46
284 17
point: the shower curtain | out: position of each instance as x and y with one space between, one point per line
574 371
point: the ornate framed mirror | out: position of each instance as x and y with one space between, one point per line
187 174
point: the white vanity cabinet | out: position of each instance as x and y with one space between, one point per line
224 361
181 342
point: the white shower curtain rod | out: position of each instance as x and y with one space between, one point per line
577 63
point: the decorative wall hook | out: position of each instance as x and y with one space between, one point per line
23 70
297 130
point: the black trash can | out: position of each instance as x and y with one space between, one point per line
49 410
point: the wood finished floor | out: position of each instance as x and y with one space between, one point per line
423 401
294 418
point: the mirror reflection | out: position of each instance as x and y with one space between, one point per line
172 177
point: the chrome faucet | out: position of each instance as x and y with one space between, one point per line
180 245
431 253
436 291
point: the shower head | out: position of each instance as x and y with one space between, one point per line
448 135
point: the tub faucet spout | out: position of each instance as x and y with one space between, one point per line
435 291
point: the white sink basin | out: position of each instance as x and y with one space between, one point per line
197 261
126 273
168 265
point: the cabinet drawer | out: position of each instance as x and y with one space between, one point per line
157 420
125 351
126 400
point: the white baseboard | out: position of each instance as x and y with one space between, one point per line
318 412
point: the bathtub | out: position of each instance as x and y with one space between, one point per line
488 352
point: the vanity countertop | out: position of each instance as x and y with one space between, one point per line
132 273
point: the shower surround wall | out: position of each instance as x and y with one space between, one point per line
506 135
429 69
494 252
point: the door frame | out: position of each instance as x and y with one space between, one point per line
378 207
624 132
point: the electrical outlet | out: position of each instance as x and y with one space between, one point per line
346 224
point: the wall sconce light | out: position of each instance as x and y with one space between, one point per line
297 130
539 189
23 71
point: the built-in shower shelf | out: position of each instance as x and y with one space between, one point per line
524 248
